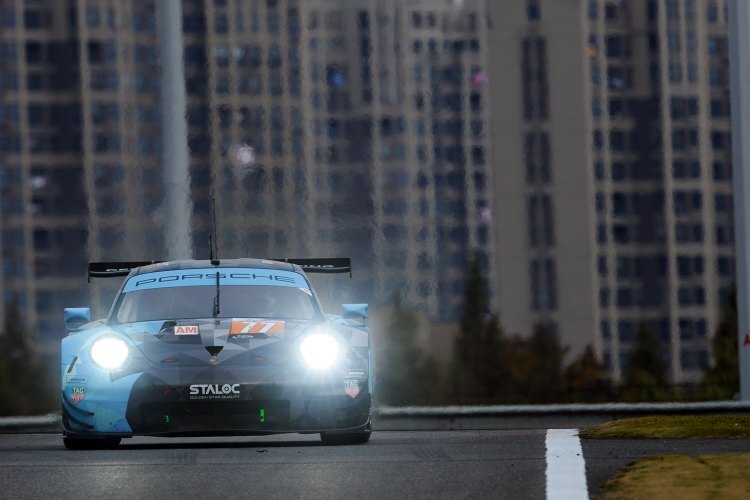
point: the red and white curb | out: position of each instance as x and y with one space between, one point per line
566 468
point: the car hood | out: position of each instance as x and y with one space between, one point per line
245 341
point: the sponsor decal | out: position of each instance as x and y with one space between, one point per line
355 373
76 379
351 388
228 276
186 330
247 328
215 391
77 394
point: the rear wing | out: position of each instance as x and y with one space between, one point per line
325 266
114 269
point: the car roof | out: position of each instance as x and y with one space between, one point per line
218 264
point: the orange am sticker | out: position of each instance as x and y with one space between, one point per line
186 330
250 327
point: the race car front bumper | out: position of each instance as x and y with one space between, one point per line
224 406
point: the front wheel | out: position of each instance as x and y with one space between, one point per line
73 443
338 438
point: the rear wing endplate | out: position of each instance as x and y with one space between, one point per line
325 266
114 269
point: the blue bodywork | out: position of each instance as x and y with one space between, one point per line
163 367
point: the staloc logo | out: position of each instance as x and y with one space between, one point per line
220 391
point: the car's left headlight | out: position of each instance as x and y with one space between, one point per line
319 350
110 353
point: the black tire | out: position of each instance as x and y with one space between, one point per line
73 443
339 438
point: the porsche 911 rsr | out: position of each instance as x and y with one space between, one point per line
213 348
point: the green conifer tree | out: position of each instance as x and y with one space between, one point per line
478 371
405 374
645 376
545 376
722 381
586 379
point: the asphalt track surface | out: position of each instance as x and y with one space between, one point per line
395 464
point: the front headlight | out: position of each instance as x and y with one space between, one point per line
110 353
319 350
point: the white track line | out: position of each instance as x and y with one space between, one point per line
566 468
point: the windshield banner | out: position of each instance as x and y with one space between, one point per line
228 276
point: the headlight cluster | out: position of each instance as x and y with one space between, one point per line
319 350
110 353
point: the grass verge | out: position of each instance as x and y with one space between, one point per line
673 427
683 477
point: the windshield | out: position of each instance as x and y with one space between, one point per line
186 302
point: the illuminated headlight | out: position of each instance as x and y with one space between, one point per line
110 353
319 350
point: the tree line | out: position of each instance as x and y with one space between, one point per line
489 366
26 386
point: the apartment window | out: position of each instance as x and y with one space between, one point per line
718 108
611 11
675 73
692 43
725 266
724 235
595 74
624 297
623 267
273 23
599 170
617 46
220 23
541 224
673 42
625 330
673 10
593 10
533 10
596 107
712 12
543 285
601 265
715 77
723 203
619 171
537 157
604 297
719 140
717 45
601 233
620 233
690 10
600 203
721 171
617 140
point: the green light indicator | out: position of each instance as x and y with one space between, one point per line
166 419
262 415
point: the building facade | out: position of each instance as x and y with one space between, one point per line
320 128
612 143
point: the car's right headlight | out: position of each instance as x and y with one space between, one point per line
110 353
319 350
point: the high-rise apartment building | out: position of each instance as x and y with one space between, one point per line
613 199
321 128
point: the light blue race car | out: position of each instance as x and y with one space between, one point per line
215 348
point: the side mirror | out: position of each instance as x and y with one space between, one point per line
355 312
76 317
